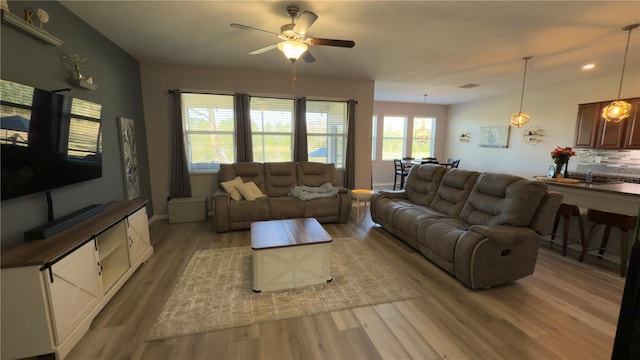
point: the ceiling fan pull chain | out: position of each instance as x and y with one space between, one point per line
293 74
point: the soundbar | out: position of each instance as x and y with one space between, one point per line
58 225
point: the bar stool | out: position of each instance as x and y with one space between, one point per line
609 220
567 211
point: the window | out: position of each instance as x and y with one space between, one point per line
327 131
421 144
393 134
271 129
209 130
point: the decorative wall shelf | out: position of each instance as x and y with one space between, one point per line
532 135
29 29
464 136
83 84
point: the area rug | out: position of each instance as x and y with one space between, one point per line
215 290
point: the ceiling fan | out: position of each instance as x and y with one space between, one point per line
294 35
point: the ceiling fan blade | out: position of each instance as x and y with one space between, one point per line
307 57
331 42
246 27
304 23
264 49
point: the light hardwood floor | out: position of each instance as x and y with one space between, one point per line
566 310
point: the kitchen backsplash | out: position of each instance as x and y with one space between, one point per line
611 162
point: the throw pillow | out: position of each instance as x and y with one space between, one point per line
250 191
230 187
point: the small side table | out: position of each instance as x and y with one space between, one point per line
359 195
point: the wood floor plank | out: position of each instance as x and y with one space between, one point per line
565 310
413 343
344 319
381 336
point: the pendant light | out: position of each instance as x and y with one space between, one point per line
520 118
620 109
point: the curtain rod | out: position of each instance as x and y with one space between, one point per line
171 91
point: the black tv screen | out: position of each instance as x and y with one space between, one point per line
47 140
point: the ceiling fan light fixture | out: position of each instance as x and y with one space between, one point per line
520 118
292 49
620 109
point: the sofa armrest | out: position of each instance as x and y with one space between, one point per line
504 235
486 256
221 211
344 204
543 220
391 194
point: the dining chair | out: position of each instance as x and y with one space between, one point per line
401 170
429 160
455 162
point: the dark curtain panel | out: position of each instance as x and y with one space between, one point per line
180 184
350 161
244 145
300 147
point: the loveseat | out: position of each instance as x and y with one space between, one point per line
276 180
482 228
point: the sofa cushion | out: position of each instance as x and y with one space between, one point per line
248 171
438 239
250 191
453 191
422 183
247 211
230 188
315 174
408 219
279 178
284 207
502 199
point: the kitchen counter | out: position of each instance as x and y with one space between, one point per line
613 188
619 198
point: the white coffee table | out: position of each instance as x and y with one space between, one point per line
289 253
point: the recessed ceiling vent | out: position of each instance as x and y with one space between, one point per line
468 86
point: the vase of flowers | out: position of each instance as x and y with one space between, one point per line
560 156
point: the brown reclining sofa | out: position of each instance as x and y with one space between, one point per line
483 228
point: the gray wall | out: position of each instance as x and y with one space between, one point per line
29 61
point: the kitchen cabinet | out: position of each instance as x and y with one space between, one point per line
632 131
587 126
593 131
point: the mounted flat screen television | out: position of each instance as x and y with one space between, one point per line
47 140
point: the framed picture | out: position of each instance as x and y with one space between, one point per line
129 158
494 136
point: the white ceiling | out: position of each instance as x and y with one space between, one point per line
410 48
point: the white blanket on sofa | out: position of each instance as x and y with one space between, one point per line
310 192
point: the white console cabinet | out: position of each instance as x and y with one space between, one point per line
52 289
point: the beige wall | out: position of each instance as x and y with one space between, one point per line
554 109
158 78
383 171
